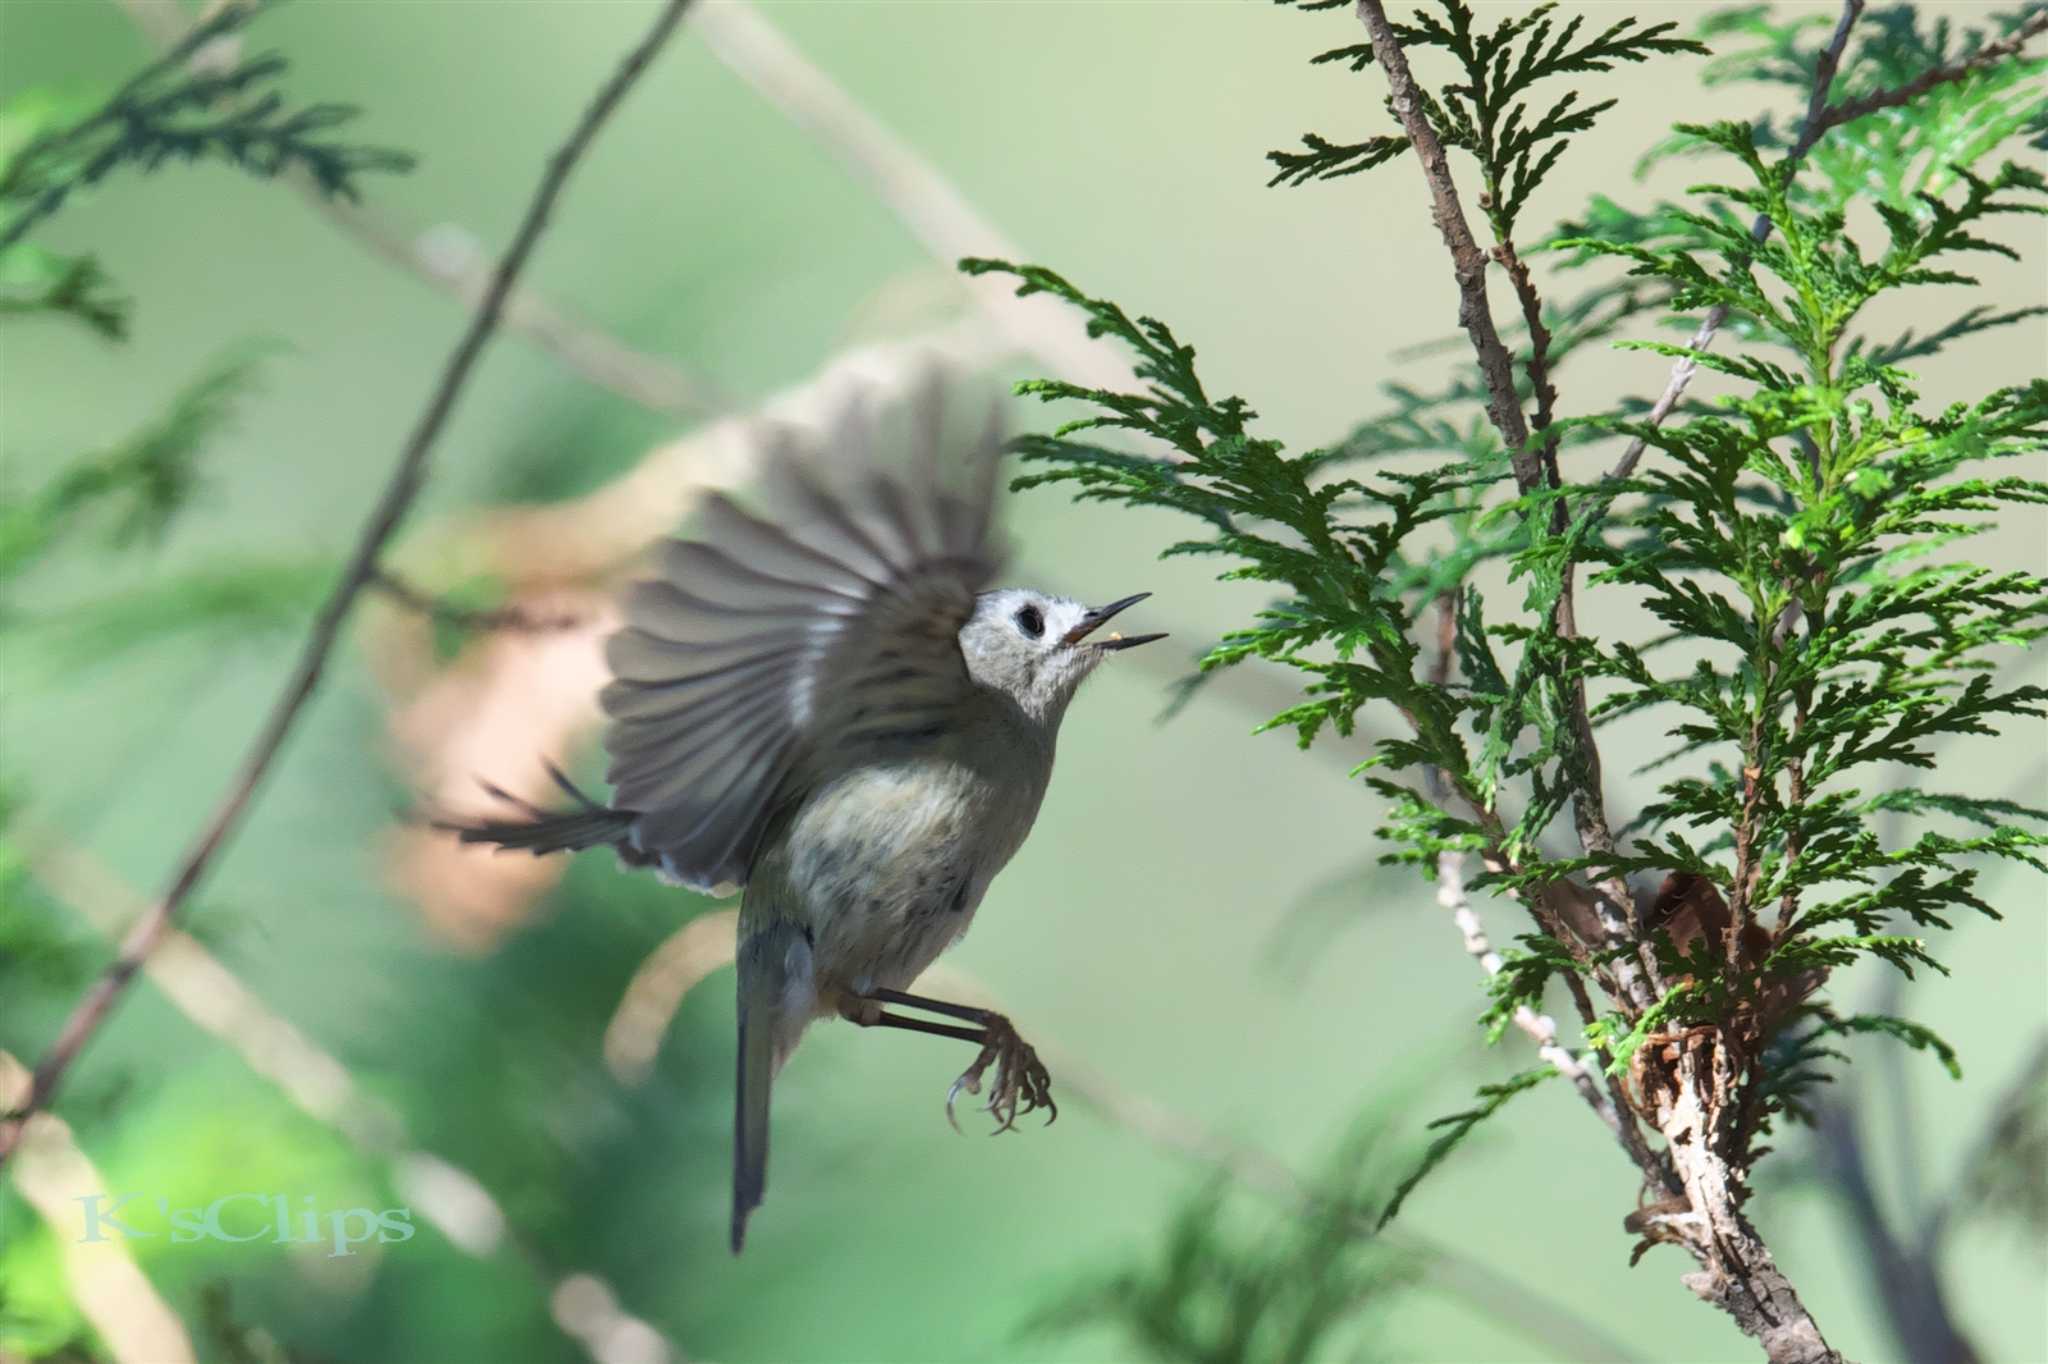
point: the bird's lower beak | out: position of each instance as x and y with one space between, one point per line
1094 620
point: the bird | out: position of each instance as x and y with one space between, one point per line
827 704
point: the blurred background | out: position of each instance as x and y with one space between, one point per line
1197 928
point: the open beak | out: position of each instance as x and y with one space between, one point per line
1094 620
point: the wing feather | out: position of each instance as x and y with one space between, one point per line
641 662
739 535
776 645
668 611
685 561
825 520
628 702
691 754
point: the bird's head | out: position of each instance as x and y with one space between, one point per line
1035 647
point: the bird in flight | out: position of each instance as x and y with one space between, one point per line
825 702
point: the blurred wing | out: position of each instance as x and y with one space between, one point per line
763 641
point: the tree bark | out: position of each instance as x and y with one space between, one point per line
1736 1271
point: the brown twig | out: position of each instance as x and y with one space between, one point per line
445 612
1824 69
1504 408
1538 366
1468 262
1589 811
1988 55
404 485
1451 895
1710 325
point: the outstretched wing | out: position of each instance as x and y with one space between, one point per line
832 620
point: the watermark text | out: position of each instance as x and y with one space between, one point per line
239 1217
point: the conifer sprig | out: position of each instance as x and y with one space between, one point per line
1797 536
180 109
1490 113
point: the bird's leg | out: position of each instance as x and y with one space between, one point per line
1021 1084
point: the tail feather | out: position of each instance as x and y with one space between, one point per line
766 960
542 831
551 833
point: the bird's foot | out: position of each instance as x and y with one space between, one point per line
1021 1084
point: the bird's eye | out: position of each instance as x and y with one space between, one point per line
1030 620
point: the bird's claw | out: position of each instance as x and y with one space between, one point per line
1021 1084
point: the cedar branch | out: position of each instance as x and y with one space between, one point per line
1504 408
1468 262
1820 117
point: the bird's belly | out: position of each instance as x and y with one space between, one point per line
882 929
889 868
888 952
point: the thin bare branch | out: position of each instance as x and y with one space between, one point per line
404 485
1613 900
1541 1028
1538 365
1907 1284
1824 79
131 1320
1451 895
445 612
1589 808
928 205
448 258
1986 56
1468 262
1999 1129
1710 325
201 987
703 945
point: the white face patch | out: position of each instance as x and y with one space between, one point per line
1036 667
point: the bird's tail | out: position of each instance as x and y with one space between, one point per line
541 831
766 960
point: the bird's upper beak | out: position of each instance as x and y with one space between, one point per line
1094 619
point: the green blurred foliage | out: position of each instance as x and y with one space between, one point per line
1283 1285
707 230
139 484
